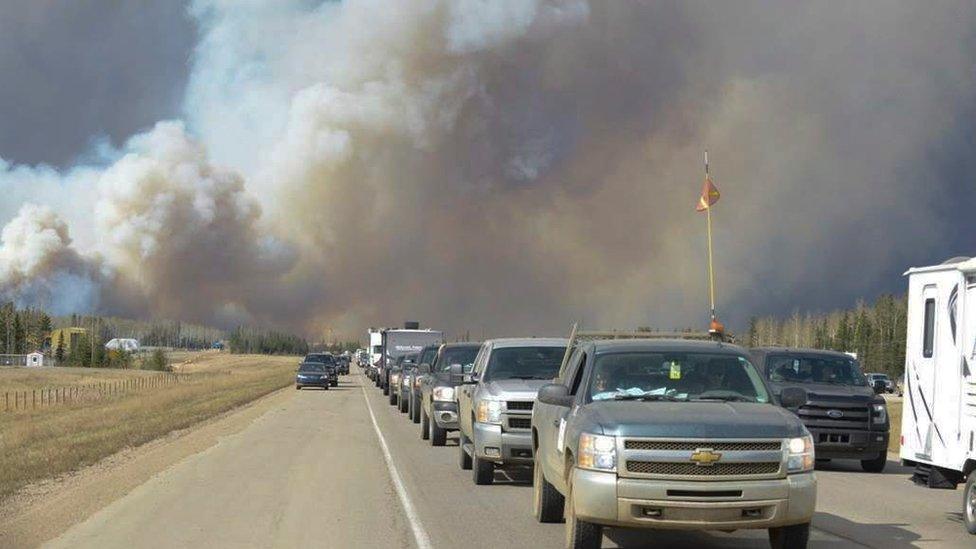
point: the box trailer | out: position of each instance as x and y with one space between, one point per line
939 414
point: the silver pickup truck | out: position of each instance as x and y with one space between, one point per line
495 402
669 434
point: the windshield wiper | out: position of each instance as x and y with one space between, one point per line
727 398
529 377
648 397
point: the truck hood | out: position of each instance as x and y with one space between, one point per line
692 419
818 392
516 388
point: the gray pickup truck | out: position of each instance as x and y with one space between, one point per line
669 434
845 417
438 403
495 402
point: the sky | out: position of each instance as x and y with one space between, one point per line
496 168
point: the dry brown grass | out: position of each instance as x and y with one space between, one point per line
42 443
894 416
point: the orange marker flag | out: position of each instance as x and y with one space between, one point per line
709 195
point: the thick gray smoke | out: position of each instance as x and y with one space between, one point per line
512 166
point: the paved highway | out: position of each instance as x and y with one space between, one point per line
312 471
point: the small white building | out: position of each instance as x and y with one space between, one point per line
35 360
123 344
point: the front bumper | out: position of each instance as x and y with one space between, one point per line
445 415
502 447
848 444
603 498
313 382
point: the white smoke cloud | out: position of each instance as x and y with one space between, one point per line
510 165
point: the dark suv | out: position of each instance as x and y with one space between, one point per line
438 404
845 417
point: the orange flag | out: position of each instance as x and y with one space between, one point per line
709 195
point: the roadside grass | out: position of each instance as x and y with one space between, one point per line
43 443
894 417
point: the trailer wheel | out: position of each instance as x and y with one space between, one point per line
969 503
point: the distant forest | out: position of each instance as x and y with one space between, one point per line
876 332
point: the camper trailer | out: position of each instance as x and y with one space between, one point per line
939 417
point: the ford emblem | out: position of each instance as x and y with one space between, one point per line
835 414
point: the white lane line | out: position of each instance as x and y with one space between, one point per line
419 533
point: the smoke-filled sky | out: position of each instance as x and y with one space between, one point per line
490 166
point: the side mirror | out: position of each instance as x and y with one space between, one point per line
457 370
555 394
793 397
424 368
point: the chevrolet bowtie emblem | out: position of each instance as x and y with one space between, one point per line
705 457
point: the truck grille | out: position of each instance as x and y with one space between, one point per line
692 445
695 459
838 416
691 469
520 405
520 423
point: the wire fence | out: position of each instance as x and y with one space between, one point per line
33 399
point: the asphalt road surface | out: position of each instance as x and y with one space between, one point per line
313 472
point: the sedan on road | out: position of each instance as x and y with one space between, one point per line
314 374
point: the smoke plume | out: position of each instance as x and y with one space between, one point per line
512 166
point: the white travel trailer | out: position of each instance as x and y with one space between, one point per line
939 417
375 345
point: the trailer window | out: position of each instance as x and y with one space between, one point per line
928 336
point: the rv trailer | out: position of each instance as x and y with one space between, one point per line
939 416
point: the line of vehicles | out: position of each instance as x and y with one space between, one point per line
321 370
683 431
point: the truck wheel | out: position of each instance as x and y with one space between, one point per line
877 464
414 410
438 436
298 387
424 425
790 537
404 405
581 534
969 503
548 504
386 389
464 460
483 470
393 398
325 387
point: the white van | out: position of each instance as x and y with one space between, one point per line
939 416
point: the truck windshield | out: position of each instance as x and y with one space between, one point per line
676 377
312 367
456 355
814 369
524 363
324 359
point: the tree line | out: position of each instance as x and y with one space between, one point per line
876 332
245 340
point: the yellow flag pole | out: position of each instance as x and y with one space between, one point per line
714 327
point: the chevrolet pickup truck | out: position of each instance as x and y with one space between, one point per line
669 434
845 417
495 402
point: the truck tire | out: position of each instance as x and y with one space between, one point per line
548 504
969 504
298 387
790 537
424 425
464 460
581 534
438 436
414 410
483 471
403 405
386 389
325 387
877 464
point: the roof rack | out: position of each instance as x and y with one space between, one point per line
576 336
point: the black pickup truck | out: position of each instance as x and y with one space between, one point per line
845 417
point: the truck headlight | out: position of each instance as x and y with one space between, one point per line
416 382
879 413
801 456
394 379
443 394
489 411
598 452
406 381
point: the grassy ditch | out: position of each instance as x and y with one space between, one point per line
42 443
